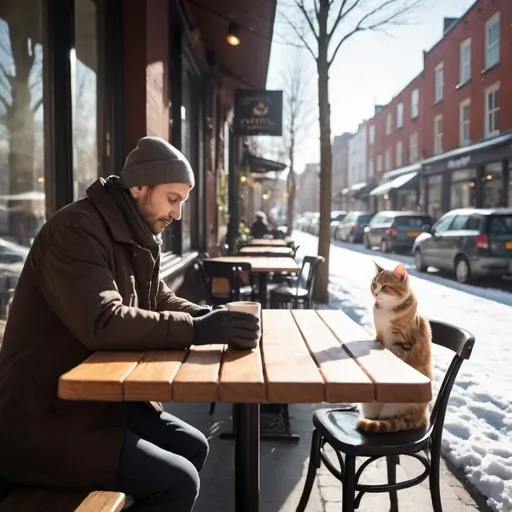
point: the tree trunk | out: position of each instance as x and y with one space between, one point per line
324 241
291 186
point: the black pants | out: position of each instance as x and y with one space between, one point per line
160 461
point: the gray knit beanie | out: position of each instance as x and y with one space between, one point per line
153 162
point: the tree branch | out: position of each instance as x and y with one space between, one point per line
341 15
300 36
37 104
302 8
392 19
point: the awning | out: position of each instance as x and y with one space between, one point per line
262 165
360 189
394 184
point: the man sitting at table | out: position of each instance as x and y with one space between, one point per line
91 282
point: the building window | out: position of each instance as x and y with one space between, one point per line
492 41
84 67
465 61
415 103
400 115
379 163
492 110
438 134
438 82
370 168
398 154
493 186
464 122
371 134
463 190
413 148
22 94
434 196
388 124
387 160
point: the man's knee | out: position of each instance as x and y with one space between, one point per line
198 449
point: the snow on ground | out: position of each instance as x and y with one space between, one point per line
478 426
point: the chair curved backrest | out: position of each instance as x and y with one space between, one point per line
309 268
461 342
224 279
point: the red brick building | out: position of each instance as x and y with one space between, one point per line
455 131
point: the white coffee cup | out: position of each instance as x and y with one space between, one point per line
245 306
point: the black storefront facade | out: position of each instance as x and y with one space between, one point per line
82 80
476 176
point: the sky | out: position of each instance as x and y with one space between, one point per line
371 68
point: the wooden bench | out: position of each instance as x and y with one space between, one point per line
27 499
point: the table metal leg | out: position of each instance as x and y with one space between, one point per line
247 457
263 289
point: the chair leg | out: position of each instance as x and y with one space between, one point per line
435 491
349 484
314 464
212 408
392 462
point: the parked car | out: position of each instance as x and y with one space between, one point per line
394 230
336 218
472 243
351 228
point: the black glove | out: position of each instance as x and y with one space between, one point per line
238 329
201 311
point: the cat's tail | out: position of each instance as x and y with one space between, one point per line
408 422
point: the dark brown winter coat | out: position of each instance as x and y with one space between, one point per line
86 286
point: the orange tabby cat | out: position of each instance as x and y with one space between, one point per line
401 329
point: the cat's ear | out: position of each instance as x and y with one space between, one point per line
400 271
378 268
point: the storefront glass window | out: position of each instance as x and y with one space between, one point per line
510 183
22 196
463 189
84 66
434 195
493 187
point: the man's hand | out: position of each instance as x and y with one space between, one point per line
238 329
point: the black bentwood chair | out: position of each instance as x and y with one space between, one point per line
337 428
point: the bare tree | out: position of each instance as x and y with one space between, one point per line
322 27
297 112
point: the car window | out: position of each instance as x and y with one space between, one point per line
500 225
377 219
443 224
460 222
411 221
365 218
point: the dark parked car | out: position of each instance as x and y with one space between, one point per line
395 231
470 242
351 228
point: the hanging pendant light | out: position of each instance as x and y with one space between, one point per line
232 36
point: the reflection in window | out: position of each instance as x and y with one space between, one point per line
434 194
22 198
493 187
84 65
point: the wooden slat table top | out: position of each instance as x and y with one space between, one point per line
264 264
305 356
255 250
269 242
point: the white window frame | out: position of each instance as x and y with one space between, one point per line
492 49
387 160
400 115
389 123
379 163
438 134
371 134
464 124
465 61
413 148
399 154
491 119
415 103
439 82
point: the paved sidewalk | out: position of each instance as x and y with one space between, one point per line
283 470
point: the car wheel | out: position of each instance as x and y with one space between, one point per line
367 242
462 270
383 246
351 238
418 261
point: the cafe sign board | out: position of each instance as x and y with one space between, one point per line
258 112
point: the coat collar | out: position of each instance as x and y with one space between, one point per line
109 210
